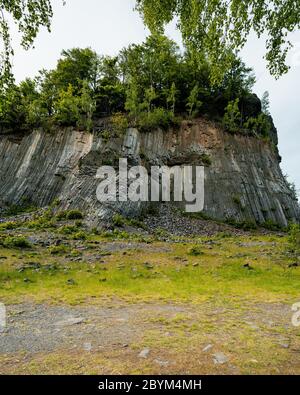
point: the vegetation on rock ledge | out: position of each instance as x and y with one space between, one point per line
148 85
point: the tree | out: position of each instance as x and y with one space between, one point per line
155 63
171 97
219 28
66 108
265 103
87 107
75 66
29 15
232 118
132 100
150 95
193 103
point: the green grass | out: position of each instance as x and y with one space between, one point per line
155 274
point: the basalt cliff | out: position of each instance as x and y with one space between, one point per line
243 179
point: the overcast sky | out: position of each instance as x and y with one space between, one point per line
109 25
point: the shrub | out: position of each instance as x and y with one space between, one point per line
16 242
120 123
118 220
68 229
56 250
196 251
9 225
158 118
79 236
260 125
232 117
74 214
294 237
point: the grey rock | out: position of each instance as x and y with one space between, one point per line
69 321
207 348
239 166
161 363
144 353
219 358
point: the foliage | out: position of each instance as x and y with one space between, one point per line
218 28
15 242
259 125
74 214
146 85
158 118
232 117
294 237
193 104
29 16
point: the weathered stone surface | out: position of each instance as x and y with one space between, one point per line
243 179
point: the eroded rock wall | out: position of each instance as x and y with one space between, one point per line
243 179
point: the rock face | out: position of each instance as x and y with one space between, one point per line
243 179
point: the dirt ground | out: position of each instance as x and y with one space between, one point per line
150 338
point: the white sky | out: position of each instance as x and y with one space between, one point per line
109 25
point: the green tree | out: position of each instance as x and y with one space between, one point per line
232 118
75 66
132 99
67 108
87 107
265 103
171 97
12 111
150 95
214 26
193 103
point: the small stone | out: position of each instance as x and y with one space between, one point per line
71 282
148 265
220 358
207 348
284 345
144 353
196 264
87 347
161 363
69 321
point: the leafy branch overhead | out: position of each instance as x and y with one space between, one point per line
216 28
220 27
29 16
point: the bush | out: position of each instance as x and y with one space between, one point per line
294 237
68 229
57 250
79 236
232 117
118 220
74 214
259 125
9 225
158 118
196 251
16 242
